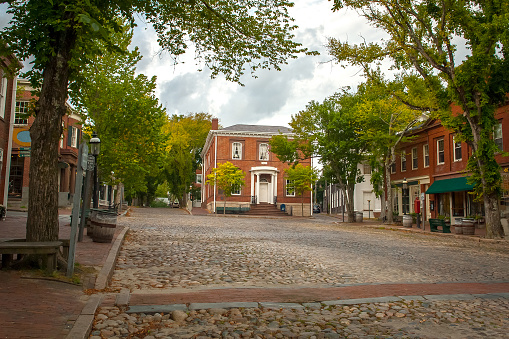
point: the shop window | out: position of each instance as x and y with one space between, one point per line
458 204
403 161
415 161
395 201
237 150
440 152
426 155
264 152
290 188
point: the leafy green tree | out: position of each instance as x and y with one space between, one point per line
425 37
62 35
329 130
184 139
228 178
301 180
121 106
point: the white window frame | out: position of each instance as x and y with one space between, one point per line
198 178
289 188
393 168
438 151
18 110
497 135
455 147
237 146
237 192
403 157
366 169
3 96
74 137
415 159
425 155
263 156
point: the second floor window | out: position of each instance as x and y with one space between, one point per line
290 188
198 178
415 161
264 152
393 167
426 155
497 136
403 161
21 114
440 152
3 96
237 150
367 169
457 150
73 137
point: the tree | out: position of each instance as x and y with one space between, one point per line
423 38
128 118
228 178
184 139
329 130
301 180
62 37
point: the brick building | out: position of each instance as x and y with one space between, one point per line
7 99
247 147
20 157
434 163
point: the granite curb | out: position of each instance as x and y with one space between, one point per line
106 272
152 309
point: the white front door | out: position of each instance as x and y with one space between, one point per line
264 192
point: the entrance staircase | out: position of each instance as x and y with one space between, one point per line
266 209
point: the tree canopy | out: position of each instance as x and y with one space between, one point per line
228 178
301 180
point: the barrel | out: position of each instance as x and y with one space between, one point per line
458 226
407 221
468 226
358 216
103 225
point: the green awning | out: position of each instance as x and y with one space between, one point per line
450 185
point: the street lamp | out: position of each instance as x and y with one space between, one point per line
95 149
404 192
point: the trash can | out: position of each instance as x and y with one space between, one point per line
283 207
407 221
358 216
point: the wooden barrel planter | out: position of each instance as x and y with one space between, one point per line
468 226
458 226
103 225
407 221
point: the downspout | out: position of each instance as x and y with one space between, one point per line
9 142
215 166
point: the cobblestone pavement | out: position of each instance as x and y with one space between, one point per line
169 252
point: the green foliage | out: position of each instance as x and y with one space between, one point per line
184 139
301 179
227 177
162 190
158 204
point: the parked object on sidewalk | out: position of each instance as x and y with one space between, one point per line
468 226
103 223
407 221
458 226
316 208
49 248
434 223
358 217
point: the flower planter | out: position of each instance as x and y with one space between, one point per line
468 226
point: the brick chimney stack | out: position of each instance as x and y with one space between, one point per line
215 124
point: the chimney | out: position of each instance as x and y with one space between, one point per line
215 124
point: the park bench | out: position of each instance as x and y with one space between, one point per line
434 223
21 247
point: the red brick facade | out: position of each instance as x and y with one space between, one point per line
447 160
265 177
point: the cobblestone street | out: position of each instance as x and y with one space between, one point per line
168 252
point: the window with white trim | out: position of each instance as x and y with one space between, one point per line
289 188
425 151
367 169
415 160
457 150
497 136
236 191
393 168
3 95
263 152
237 150
198 178
21 113
440 152
403 161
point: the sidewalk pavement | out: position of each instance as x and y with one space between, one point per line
45 308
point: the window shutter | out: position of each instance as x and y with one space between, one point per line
69 135
78 132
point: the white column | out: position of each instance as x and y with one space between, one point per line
275 184
257 191
252 184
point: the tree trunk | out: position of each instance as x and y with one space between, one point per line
42 222
388 186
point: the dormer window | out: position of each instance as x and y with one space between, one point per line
237 150
264 152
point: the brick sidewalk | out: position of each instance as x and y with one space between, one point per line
37 308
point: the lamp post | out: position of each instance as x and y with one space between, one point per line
95 149
404 192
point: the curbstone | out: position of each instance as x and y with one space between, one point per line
122 298
449 297
83 324
361 301
205 306
107 270
277 306
150 309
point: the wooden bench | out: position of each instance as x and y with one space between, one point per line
49 248
434 223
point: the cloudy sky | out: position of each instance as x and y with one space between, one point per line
272 97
